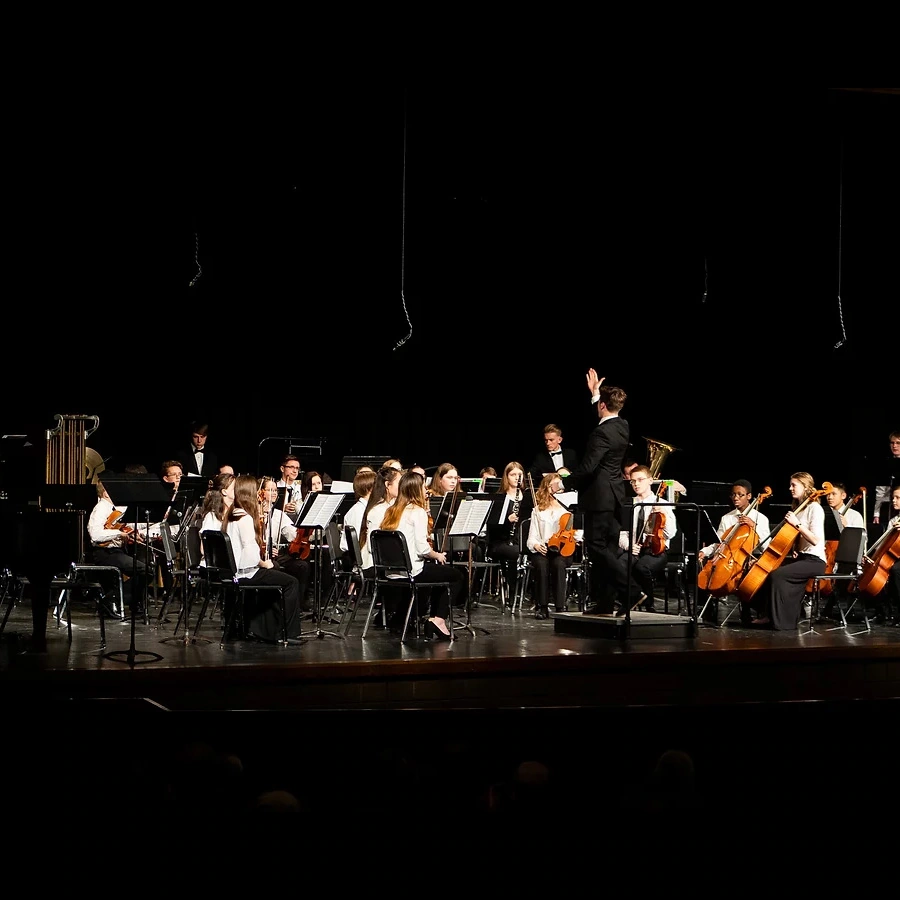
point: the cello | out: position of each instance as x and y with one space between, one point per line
827 586
725 567
776 551
878 561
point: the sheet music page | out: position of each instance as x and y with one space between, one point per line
470 517
322 510
342 487
568 498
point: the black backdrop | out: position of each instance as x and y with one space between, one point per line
705 250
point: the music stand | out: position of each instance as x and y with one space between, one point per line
317 512
143 495
468 520
71 498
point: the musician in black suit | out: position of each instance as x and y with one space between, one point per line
198 460
602 491
553 458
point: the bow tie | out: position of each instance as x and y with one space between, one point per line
556 453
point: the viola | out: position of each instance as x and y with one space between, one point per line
827 586
654 537
725 567
563 541
776 551
878 562
300 546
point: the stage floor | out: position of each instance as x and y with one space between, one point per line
767 721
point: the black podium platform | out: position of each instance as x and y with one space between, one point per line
643 625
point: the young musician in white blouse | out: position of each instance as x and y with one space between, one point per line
384 493
409 514
243 524
548 562
779 599
280 533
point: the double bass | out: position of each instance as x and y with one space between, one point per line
783 539
725 567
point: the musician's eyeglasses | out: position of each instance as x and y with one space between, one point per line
740 495
292 467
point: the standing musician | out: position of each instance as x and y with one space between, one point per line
779 600
891 477
648 562
512 506
888 600
279 534
545 557
602 490
553 458
741 497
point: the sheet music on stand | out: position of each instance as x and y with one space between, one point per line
470 517
319 510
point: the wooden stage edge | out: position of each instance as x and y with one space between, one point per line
706 670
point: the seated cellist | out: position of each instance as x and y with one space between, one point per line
741 497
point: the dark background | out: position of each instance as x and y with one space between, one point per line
705 248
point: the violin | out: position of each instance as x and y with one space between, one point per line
563 540
724 568
113 524
827 586
776 551
300 545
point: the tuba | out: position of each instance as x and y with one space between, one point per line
657 453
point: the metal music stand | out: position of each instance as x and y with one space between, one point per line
146 498
468 520
318 510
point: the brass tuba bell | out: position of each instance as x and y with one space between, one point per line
657 452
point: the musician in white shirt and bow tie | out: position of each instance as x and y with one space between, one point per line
554 458
290 481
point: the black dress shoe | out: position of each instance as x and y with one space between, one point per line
433 633
542 612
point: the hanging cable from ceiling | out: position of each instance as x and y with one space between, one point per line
843 339
401 342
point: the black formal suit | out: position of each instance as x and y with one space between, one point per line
601 494
189 464
543 463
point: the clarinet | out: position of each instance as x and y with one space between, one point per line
515 512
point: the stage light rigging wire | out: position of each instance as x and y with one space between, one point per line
840 241
401 342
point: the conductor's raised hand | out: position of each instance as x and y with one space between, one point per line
593 382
